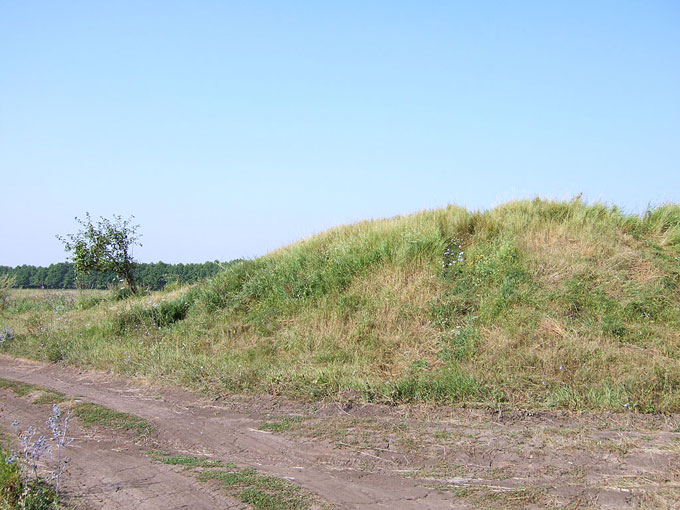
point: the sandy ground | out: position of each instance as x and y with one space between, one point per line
356 456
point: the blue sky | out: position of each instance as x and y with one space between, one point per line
231 128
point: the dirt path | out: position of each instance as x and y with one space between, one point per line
361 457
110 473
189 425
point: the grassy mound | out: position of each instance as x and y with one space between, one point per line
534 303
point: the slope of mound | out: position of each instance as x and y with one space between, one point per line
533 303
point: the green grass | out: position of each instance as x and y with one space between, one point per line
283 424
262 492
55 301
19 388
45 395
187 460
483 497
18 493
534 304
49 397
91 415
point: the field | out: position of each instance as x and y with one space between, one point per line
527 356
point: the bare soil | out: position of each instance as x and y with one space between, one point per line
353 455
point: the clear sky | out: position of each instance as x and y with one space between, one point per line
231 128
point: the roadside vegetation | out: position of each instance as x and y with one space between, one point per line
20 493
32 464
534 304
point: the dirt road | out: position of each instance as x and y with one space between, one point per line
357 456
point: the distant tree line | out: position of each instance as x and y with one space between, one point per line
153 276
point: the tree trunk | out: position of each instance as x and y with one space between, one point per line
130 282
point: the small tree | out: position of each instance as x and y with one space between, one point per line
104 247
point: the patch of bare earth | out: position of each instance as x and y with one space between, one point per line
357 456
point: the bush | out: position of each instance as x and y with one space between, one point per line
6 283
157 315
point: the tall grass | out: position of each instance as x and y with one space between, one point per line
534 303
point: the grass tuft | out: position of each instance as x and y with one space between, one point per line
20 389
91 415
261 491
282 424
187 460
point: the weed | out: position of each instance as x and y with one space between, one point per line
20 484
5 335
58 425
17 493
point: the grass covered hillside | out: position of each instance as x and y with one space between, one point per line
532 304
